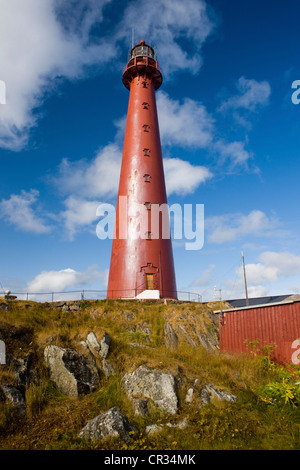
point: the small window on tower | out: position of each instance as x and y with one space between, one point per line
147 152
145 105
147 178
146 128
148 206
145 84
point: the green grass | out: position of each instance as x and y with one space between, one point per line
257 421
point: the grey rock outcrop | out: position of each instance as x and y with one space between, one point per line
20 367
67 305
105 346
206 393
194 328
92 342
153 429
112 423
107 368
73 373
152 384
139 345
140 406
5 307
25 373
189 395
181 425
14 397
101 351
209 391
170 337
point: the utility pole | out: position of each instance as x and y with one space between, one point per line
220 297
245 281
222 315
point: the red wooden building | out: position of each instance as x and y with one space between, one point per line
275 324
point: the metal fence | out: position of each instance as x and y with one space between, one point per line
93 295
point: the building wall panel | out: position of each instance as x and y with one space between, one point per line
272 324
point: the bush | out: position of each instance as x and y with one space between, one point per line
280 393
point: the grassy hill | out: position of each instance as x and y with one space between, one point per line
265 416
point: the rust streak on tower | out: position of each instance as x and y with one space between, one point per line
141 266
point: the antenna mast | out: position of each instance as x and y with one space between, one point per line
245 281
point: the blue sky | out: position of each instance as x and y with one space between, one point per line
229 132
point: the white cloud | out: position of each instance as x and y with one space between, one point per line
273 274
231 227
252 94
286 263
99 178
272 267
235 289
21 211
94 179
86 184
258 273
235 152
78 17
82 182
182 177
40 41
57 281
186 124
257 291
189 125
206 277
166 22
79 213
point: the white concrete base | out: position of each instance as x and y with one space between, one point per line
149 294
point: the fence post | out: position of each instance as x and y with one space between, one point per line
52 293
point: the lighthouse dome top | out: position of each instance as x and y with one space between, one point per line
142 62
142 49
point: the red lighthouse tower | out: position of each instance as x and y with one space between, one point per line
141 260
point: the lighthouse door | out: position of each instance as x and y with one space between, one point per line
147 278
149 281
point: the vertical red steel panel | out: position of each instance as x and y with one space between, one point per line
277 324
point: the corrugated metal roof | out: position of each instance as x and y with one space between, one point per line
287 300
257 300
